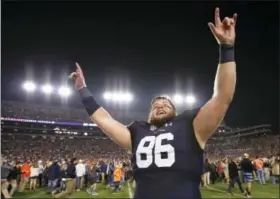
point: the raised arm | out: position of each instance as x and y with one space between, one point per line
114 129
212 113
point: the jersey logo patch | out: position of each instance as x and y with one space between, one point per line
153 128
168 124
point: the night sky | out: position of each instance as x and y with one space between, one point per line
146 48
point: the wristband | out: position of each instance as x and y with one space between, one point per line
88 101
226 53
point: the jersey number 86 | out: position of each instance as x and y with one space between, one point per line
155 144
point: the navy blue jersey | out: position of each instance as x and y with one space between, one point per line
167 161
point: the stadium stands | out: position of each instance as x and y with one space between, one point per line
41 123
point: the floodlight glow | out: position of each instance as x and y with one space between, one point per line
190 99
128 97
178 99
47 89
107 96
118 96
64 91
29 86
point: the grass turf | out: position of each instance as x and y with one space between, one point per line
214 191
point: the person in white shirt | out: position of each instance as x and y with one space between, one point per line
34 176
80 172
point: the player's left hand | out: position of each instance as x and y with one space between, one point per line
223 31
78 77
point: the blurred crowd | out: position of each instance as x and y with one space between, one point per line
19 147
37 112
242 171
46 160
262 145
64 176
29 162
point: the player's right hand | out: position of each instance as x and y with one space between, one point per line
78 77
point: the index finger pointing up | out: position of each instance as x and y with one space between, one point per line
217 17
77 65
234 18
79 69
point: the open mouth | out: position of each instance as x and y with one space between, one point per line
161 112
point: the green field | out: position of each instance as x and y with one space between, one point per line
214 191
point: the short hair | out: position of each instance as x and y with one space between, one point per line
163 98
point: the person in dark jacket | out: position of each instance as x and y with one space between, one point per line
240 172
62 180
53 176
103 168
45 174
13 176
234 177
87 175
206 173
92 179
213 172
110 174
247 168
70 180
5 172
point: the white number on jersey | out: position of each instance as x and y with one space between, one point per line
155 142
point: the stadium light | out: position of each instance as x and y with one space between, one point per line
118 96
29 86
178 99
47 89
190 99
128 97
64 91
107 96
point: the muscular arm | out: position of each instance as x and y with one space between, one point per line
211 114
114 129
118 132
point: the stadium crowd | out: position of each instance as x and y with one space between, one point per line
27 111
44 148
257 145
62 164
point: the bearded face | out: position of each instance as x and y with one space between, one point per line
162 111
